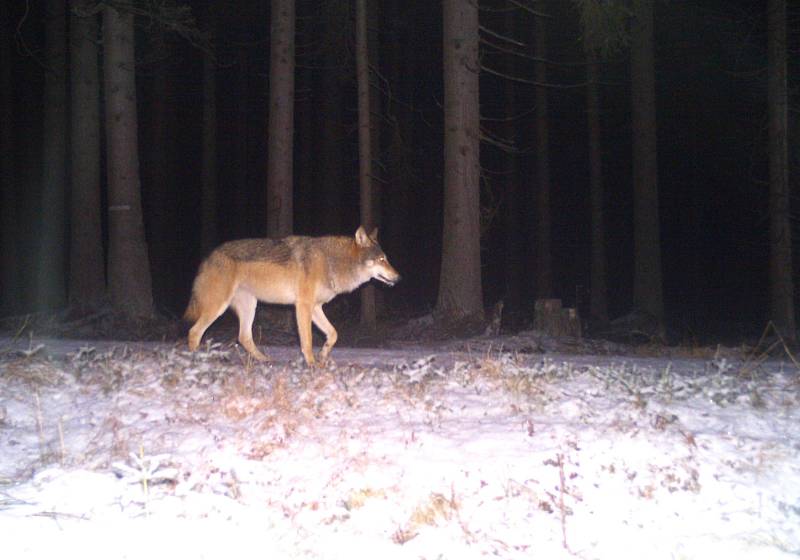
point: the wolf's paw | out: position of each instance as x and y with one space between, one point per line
310 361
319 363
259 357
253 350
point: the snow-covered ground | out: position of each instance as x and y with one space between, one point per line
129 451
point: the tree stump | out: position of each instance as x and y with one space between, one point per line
551 318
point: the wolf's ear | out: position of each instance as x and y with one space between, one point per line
374 235
362 240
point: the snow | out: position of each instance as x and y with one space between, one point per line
114 450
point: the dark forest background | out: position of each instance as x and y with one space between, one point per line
711 100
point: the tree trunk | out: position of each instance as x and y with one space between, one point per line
129 279
551 318
208 199
598 296
460 292
10 282
281 120
364 149
544 254
51 265
780 262
647 284
87 284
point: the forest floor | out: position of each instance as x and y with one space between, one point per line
510 446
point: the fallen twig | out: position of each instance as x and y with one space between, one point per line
561 507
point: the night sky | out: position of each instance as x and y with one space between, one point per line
712 149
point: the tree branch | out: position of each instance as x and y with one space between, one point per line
521 80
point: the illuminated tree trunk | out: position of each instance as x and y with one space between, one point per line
129 279
460 292
364 149
281 120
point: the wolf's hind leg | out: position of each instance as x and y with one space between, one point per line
244 304
211 295
319 318
207 316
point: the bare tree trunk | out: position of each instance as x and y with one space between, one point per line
129 279
598 297
647 283
364 148
208 204
780 262
281 120
51 265
364 118
460 291
87 284
10 284
544 254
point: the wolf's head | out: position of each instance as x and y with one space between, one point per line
373 259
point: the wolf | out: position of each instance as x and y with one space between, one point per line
305 271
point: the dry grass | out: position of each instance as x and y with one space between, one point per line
358 498
435 511
35 372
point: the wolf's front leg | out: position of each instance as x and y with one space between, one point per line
244 304
330 332
303 313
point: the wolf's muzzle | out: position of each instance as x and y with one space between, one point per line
388 281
